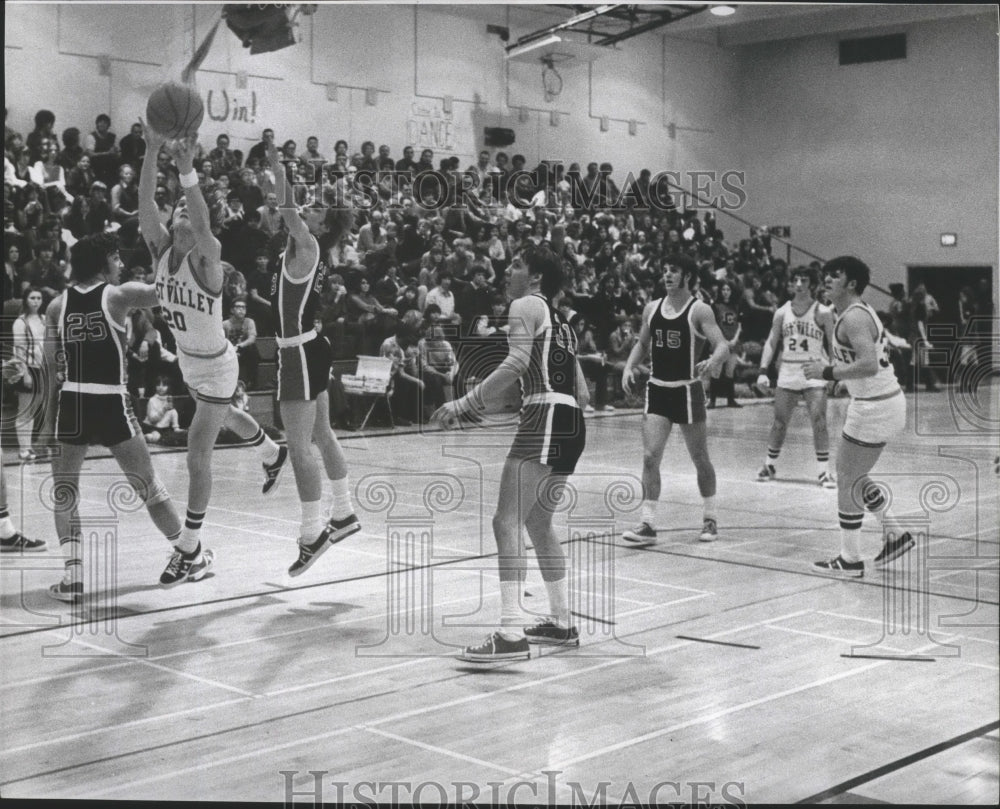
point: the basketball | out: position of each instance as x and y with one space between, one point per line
175 110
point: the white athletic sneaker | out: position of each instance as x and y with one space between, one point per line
826 481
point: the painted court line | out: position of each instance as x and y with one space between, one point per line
398 717
71 737
562 765
554 677
979 665
207 765
141 661
160 717
63 675
944 632
434 749
781 539
367 673
901 658
835 638
661 605
325 627
146 662
619 577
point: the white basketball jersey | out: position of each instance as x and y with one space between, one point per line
801 337
193 312
884 380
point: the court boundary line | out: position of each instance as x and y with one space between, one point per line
859 581
944 631
373 723
441 750
649 549
659 732
267 694
898 764
530 683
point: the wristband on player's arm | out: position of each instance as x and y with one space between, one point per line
828 373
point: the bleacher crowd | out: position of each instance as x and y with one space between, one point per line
421 276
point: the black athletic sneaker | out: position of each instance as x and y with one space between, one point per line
21 544
496 649
642 534
182 567
840 565
827 481
766 473
272 471
70 592
894 548
547 632
332 533
709 530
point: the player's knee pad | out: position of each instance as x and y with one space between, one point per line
872 496
157 492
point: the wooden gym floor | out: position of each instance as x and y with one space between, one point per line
732 664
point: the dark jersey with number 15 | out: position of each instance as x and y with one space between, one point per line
675 344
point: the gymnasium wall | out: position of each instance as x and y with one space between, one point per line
878 159
392 65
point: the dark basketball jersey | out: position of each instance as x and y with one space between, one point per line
674 344
552 366
296 302
727 315
93 344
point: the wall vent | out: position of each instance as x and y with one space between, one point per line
872 49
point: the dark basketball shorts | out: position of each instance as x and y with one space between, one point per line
553 434
86 419
304 370
681 405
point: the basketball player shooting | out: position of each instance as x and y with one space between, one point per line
189 280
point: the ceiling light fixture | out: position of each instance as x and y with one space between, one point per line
723 11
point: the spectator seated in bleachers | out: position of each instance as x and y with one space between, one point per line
407 385
367 319
438 368
161 416
417 250
241 331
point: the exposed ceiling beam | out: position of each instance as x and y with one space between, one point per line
658 22
562 26
624 21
